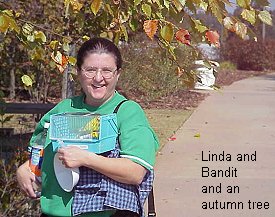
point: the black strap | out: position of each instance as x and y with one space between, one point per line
119 104
151 202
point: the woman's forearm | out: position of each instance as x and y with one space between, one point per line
120 169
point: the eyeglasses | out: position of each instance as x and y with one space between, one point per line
105 72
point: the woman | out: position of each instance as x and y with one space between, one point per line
115 181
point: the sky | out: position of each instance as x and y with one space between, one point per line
272 5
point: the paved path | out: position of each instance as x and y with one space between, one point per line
239 119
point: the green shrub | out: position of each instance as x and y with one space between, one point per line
250 55
228 65
148 71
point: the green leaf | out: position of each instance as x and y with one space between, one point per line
203 5
95 6
147 9
216 10
124 31
265 17
137 2
117 37
133 23
166 3
249 15
66 46
244 3
13 25
167 32
31 38
8 12
103 35
109 9
182 2
199 26
178 5
27 81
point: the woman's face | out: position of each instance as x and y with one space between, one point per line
98 89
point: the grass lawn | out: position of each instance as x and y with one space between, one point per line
166 122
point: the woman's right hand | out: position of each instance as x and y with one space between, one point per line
25 179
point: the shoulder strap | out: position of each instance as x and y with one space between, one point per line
151 204
119 104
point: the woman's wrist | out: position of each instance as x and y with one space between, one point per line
89 160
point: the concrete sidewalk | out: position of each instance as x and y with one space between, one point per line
240 119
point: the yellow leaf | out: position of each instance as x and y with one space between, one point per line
229 23
54 44
249 15
197 135
4 23
76 5
95 6
241 29
150 27
60 60
72 60
265 17
27 81
40 35
85 37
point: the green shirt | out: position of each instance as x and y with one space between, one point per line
138 142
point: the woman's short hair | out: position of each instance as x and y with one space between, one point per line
98 45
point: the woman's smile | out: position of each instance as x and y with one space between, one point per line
97 87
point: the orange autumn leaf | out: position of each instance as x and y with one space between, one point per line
150 28
183 36
60 61
213 37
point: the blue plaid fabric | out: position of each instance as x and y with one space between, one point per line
96 192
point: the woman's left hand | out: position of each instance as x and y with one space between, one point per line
73 156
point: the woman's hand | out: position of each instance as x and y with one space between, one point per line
25 179
72 156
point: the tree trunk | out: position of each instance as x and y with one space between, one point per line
68 84
12 84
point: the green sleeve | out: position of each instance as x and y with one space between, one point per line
137 139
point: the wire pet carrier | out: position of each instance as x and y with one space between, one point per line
93 132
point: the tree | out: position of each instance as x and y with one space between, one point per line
170 22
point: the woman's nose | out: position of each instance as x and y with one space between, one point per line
98 76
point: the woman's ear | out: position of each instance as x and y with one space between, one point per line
118 73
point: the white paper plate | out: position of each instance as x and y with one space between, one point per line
66 177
